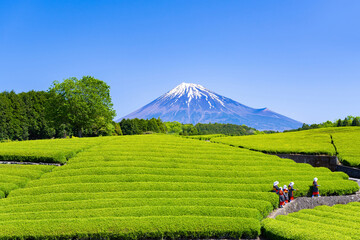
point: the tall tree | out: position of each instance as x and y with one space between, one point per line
339 123
356 122
83 104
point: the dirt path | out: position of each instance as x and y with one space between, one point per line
309 203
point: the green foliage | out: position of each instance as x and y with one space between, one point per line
189 129
83 104
227 129
355 122
69 108
17 176
323 222
139 126
307 142
157 186
118 130
315 141
48 151
348 121
208 129
205 137
347 142
173 127
23 116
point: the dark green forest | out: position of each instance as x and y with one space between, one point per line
74 107
23 117
141 126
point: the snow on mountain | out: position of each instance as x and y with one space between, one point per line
192 103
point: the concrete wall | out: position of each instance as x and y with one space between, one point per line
314 160
331 162
352 172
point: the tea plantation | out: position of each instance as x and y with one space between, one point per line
151 186
323 222
315 141
17 176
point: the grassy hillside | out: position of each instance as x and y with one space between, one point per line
347 143
323 222
315 141
17 176
156 186
48 151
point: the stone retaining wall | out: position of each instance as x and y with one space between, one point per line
331 162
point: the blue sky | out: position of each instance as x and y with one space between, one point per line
298 58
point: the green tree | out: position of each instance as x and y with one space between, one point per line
339 123
346 122
161 125
118 130
84 105
356 122
173 127
153 125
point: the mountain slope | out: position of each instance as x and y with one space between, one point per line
192 103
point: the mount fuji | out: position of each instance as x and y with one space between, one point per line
192 103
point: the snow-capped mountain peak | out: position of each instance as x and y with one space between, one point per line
193 103
192 91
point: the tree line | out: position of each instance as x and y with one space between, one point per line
83 108
74 107
208 128
141 126
347 121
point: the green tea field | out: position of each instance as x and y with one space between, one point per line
343 141
148 186
322 222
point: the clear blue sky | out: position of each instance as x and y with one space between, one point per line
298 58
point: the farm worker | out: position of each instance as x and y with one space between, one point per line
276 187
315 188
291 189
286 195
281 198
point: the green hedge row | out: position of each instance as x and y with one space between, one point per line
260 172
226 196
134 211
260 206
338 187
209 166
13 176
157 227
176 178
337 222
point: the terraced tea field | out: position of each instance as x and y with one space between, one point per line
155 186
323 222
48 151
17 176
315 141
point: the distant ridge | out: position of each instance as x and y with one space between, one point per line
193 103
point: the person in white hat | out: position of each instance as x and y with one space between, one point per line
291 189
281 198
286 194
315 188
276 187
